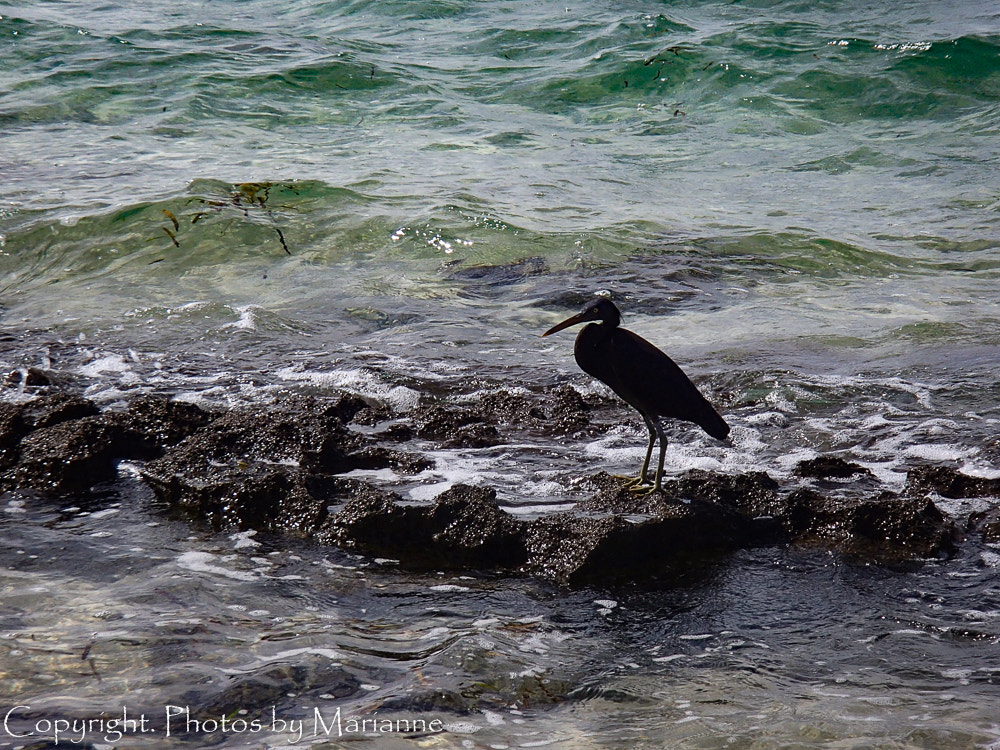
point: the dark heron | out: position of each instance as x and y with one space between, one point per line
642 375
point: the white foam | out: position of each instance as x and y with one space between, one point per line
990 559
539 509
886 473
387 476
247 317
546 488
360 381
767 419
427 492
244 539
101 365
478 466
792 459
939 452
980 471
204 562
293 653
476 396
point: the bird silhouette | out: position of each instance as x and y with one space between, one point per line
643 376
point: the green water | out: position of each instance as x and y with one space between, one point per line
833 145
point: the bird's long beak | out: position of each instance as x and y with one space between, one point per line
578 318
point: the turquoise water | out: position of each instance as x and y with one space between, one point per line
231 200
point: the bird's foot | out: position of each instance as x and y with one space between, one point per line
644 490
629 483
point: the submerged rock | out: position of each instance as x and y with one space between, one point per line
257 692
576 549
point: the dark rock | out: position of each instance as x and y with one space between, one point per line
900 526
397 433
69 456
246 472
455 428
436 422
569 411
312 439
271 471
53 408
316 440
463 528
613 496
887 526
345 407
372 415
561 411
377 457
949 483
472 526
560 547
507 407
558 411
991 532
477 435
29 377
60 443
575 549
157 423
12 429
278 469
754 493
830 467
241 496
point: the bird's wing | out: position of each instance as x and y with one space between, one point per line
653 383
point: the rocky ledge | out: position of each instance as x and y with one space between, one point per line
281 468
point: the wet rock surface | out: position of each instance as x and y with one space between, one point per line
281 468
830 467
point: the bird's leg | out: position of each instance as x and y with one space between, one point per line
638 482
658 480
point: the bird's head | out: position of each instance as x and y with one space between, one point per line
600 309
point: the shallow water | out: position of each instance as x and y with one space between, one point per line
121 607
797 201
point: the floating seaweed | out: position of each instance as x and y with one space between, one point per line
173 219
244 197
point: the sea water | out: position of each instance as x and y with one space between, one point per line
230 201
